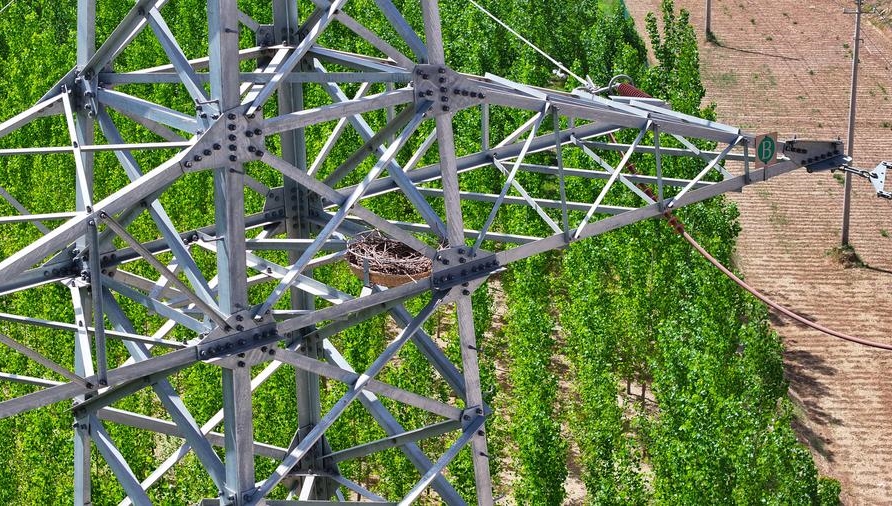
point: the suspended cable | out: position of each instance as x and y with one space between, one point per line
774 305
558 64
876 47
6 6
679 228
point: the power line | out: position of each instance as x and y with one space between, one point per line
6 6
679 228
527 42
878 49
774 305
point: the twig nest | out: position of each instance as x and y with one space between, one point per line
388 262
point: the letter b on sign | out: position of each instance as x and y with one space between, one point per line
766 149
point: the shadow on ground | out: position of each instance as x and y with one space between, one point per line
806 373
722 45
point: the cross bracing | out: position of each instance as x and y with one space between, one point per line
261 307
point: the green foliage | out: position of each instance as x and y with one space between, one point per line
676 77
641 308
541 450
614 47
828 491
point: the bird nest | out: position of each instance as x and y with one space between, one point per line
388 262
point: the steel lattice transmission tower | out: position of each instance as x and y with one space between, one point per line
237 318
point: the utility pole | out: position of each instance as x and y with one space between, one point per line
708 19
847 189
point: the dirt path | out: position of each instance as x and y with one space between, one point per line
785 66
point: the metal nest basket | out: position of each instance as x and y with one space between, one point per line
376 258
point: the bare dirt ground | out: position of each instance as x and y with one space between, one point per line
785 66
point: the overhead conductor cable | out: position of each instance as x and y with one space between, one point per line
673 221
548 57
629 90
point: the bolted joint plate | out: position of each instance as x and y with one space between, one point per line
816 155
83 94
241 334
448 90
233 138
274 205
462 271
266 36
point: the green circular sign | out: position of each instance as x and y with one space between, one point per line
765 150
